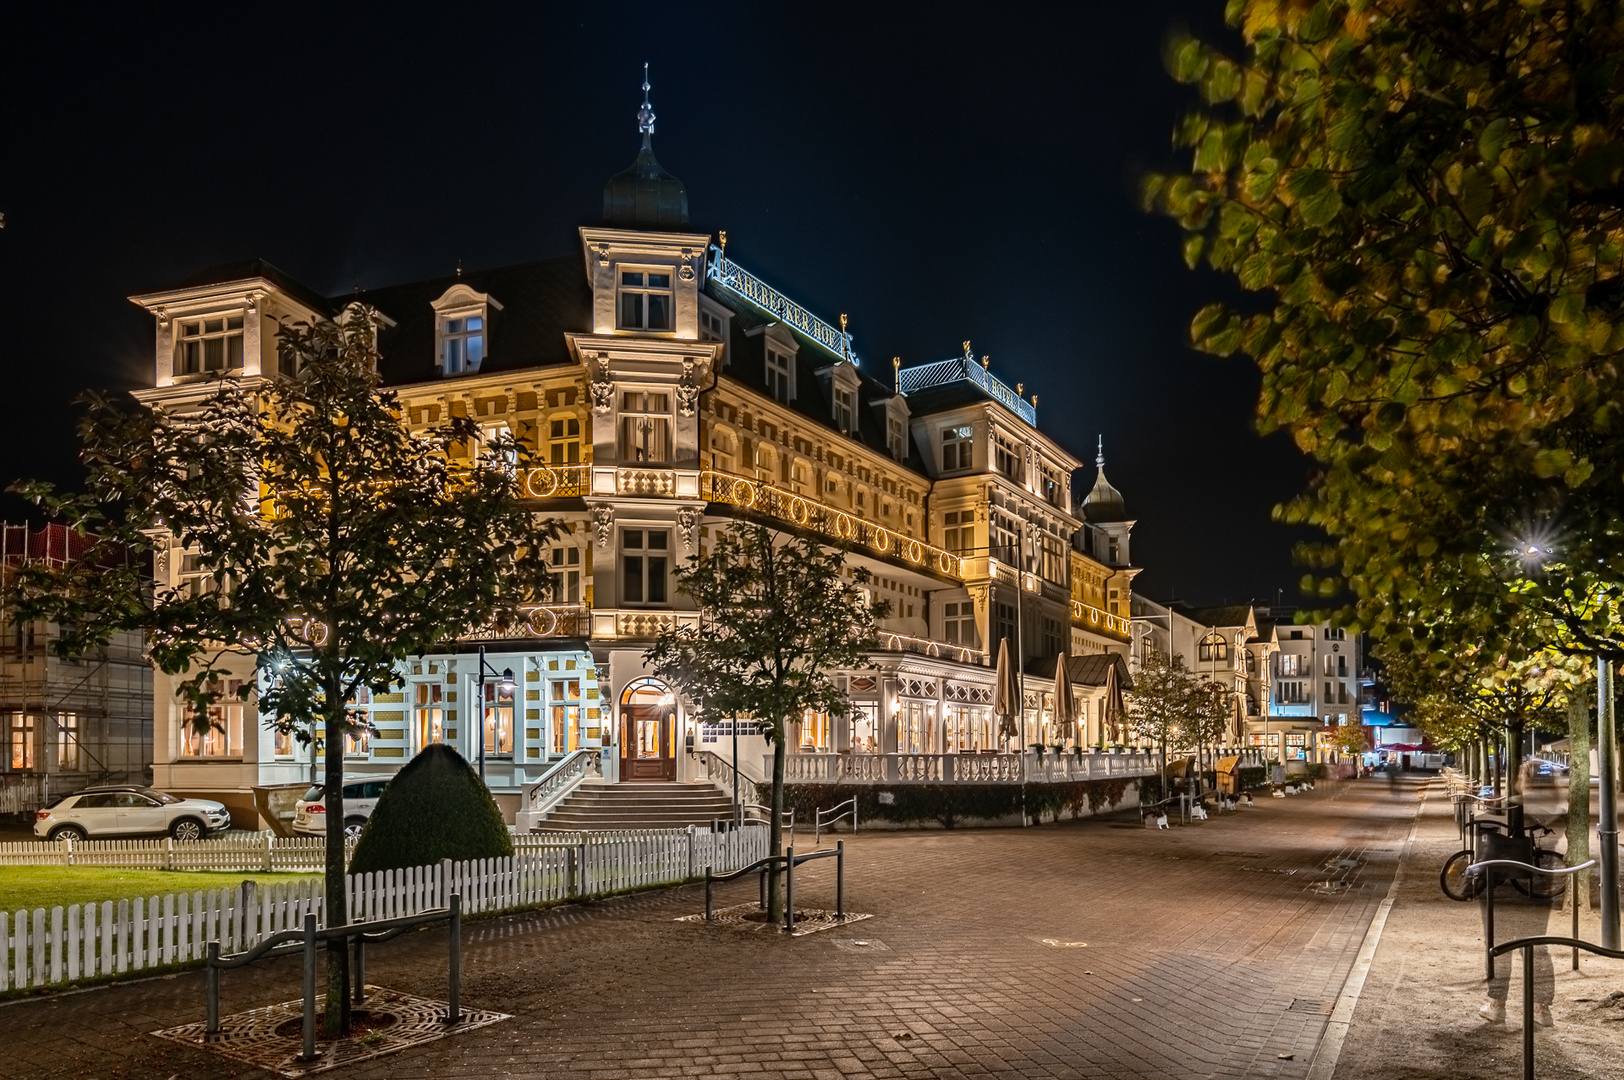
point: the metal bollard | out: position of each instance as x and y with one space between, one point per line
1528 1011
789 893
309 988
213 1027
360 973
1573 899
761 885
454 1015
707 894
1488 922
840 879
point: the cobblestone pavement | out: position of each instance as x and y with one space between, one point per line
1213 950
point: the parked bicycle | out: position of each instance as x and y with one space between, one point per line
1457 884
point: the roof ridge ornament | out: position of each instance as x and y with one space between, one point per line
645 115
1099 455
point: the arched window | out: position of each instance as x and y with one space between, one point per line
1214 647
648 692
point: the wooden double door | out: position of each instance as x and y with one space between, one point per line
647 743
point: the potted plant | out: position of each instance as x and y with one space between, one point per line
1037 748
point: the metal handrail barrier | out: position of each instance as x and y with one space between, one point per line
787 823
835 814
1484 868
1528 945
789 860
303 940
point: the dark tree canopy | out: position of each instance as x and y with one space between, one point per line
1428 195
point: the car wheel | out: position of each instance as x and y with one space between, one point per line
353 827
67 832
187 829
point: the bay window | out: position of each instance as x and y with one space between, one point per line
645 300
208 345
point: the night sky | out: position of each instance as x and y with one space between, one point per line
937 178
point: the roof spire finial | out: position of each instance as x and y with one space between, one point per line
645 115
1099 456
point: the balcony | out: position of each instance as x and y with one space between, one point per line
760 497
539 621
1022 768
1097 619
556 481
637 624
937 650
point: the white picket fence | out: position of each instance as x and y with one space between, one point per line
261 852
90 941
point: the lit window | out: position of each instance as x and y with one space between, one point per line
498 718
282 742
67 741
223 737
358 743
957 449
490 435
645 427
896 437
1215 648
20 741
430 709
645 300
1289 664
845 409
209 345
462 343
565 697
564 440
780 374
644 564
1009 459
564 565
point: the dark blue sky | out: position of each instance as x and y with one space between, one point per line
936 177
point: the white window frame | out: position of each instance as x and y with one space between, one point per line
645 552
958 448
429 698
194 335
456 306
638 437
844 408
563 439
780 374
564 565
68 748
644 288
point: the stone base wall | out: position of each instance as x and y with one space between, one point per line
937 806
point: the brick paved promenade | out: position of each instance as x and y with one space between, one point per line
1212 950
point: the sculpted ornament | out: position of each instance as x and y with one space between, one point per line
603 388
687 392
603 518
687 521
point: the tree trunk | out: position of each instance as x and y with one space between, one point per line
1578 793
336 1016
775 893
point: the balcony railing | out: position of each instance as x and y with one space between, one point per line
803 512
635 624
1022 768
941 650
539 621
1088 615
739 281
964 369
556 481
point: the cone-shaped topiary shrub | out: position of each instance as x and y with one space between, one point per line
435 808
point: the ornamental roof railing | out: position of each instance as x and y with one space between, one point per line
739 281
964 368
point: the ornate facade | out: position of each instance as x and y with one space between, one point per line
667 392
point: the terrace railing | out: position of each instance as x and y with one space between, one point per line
1022 768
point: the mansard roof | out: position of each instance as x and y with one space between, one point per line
246 270
541 302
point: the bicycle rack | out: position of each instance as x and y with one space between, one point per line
1528 945
835 814
1485 868
789 861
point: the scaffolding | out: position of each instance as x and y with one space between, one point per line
66 721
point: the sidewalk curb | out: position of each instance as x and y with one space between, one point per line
1329 1051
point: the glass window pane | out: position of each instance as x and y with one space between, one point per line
659 281
657 540
213 326
234 351
454 326
214 353
659 312
633 575
632 538
234 323
631 279
476 349
476 322
656 580
631 311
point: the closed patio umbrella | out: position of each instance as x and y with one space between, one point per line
1065 713
1113 705
1006 695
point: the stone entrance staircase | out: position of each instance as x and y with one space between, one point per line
597 806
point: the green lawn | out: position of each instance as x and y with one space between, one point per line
29 887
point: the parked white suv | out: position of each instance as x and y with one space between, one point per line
99 813
360 797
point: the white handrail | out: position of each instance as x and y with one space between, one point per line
555 785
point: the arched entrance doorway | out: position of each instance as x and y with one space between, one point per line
648 724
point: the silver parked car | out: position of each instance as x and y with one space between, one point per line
101 813
360 797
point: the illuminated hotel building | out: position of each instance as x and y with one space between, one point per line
667 392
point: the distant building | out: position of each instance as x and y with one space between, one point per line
67 721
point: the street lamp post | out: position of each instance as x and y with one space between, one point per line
507 684
1607 826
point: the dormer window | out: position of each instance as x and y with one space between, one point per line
462 345
209 345
462 327
845 409
645 300
780 374
957 448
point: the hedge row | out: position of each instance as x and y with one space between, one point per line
951 804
